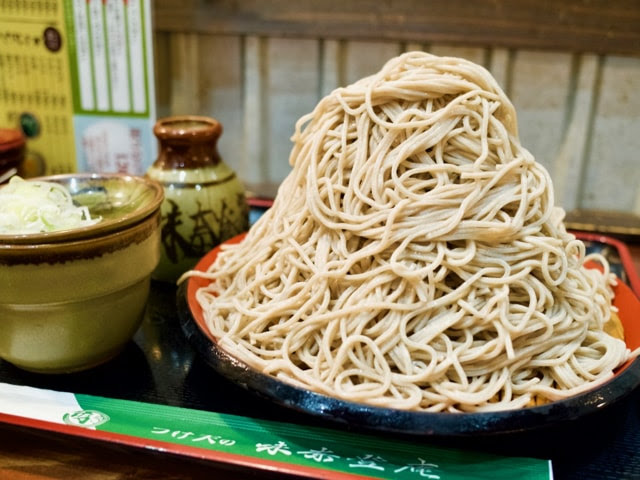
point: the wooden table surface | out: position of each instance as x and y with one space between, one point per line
33 455
30 455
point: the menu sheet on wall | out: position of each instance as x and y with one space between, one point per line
76 76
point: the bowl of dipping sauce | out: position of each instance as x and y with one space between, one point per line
76 256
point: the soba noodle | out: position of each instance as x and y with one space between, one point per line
414 258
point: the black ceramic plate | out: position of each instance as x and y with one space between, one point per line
409 422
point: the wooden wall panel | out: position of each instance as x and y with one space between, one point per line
162 73
569 167
330 66
499 64
474 54
540 87
220 92
185 70
612 174
577 112
255 161
598 26
293 83
362 58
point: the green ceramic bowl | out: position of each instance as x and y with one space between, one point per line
72 299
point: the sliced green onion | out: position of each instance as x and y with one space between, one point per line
33 206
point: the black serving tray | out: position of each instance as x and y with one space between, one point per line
160 366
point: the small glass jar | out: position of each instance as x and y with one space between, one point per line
12 151
204 201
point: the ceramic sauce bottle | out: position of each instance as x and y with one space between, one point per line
204 201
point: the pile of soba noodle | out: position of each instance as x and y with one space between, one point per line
414 258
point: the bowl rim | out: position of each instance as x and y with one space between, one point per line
98 229
55 253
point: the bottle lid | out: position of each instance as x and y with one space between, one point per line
10 138
187 127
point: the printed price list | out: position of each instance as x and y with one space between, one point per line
35 91
73 72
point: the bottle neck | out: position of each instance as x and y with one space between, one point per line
174 154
